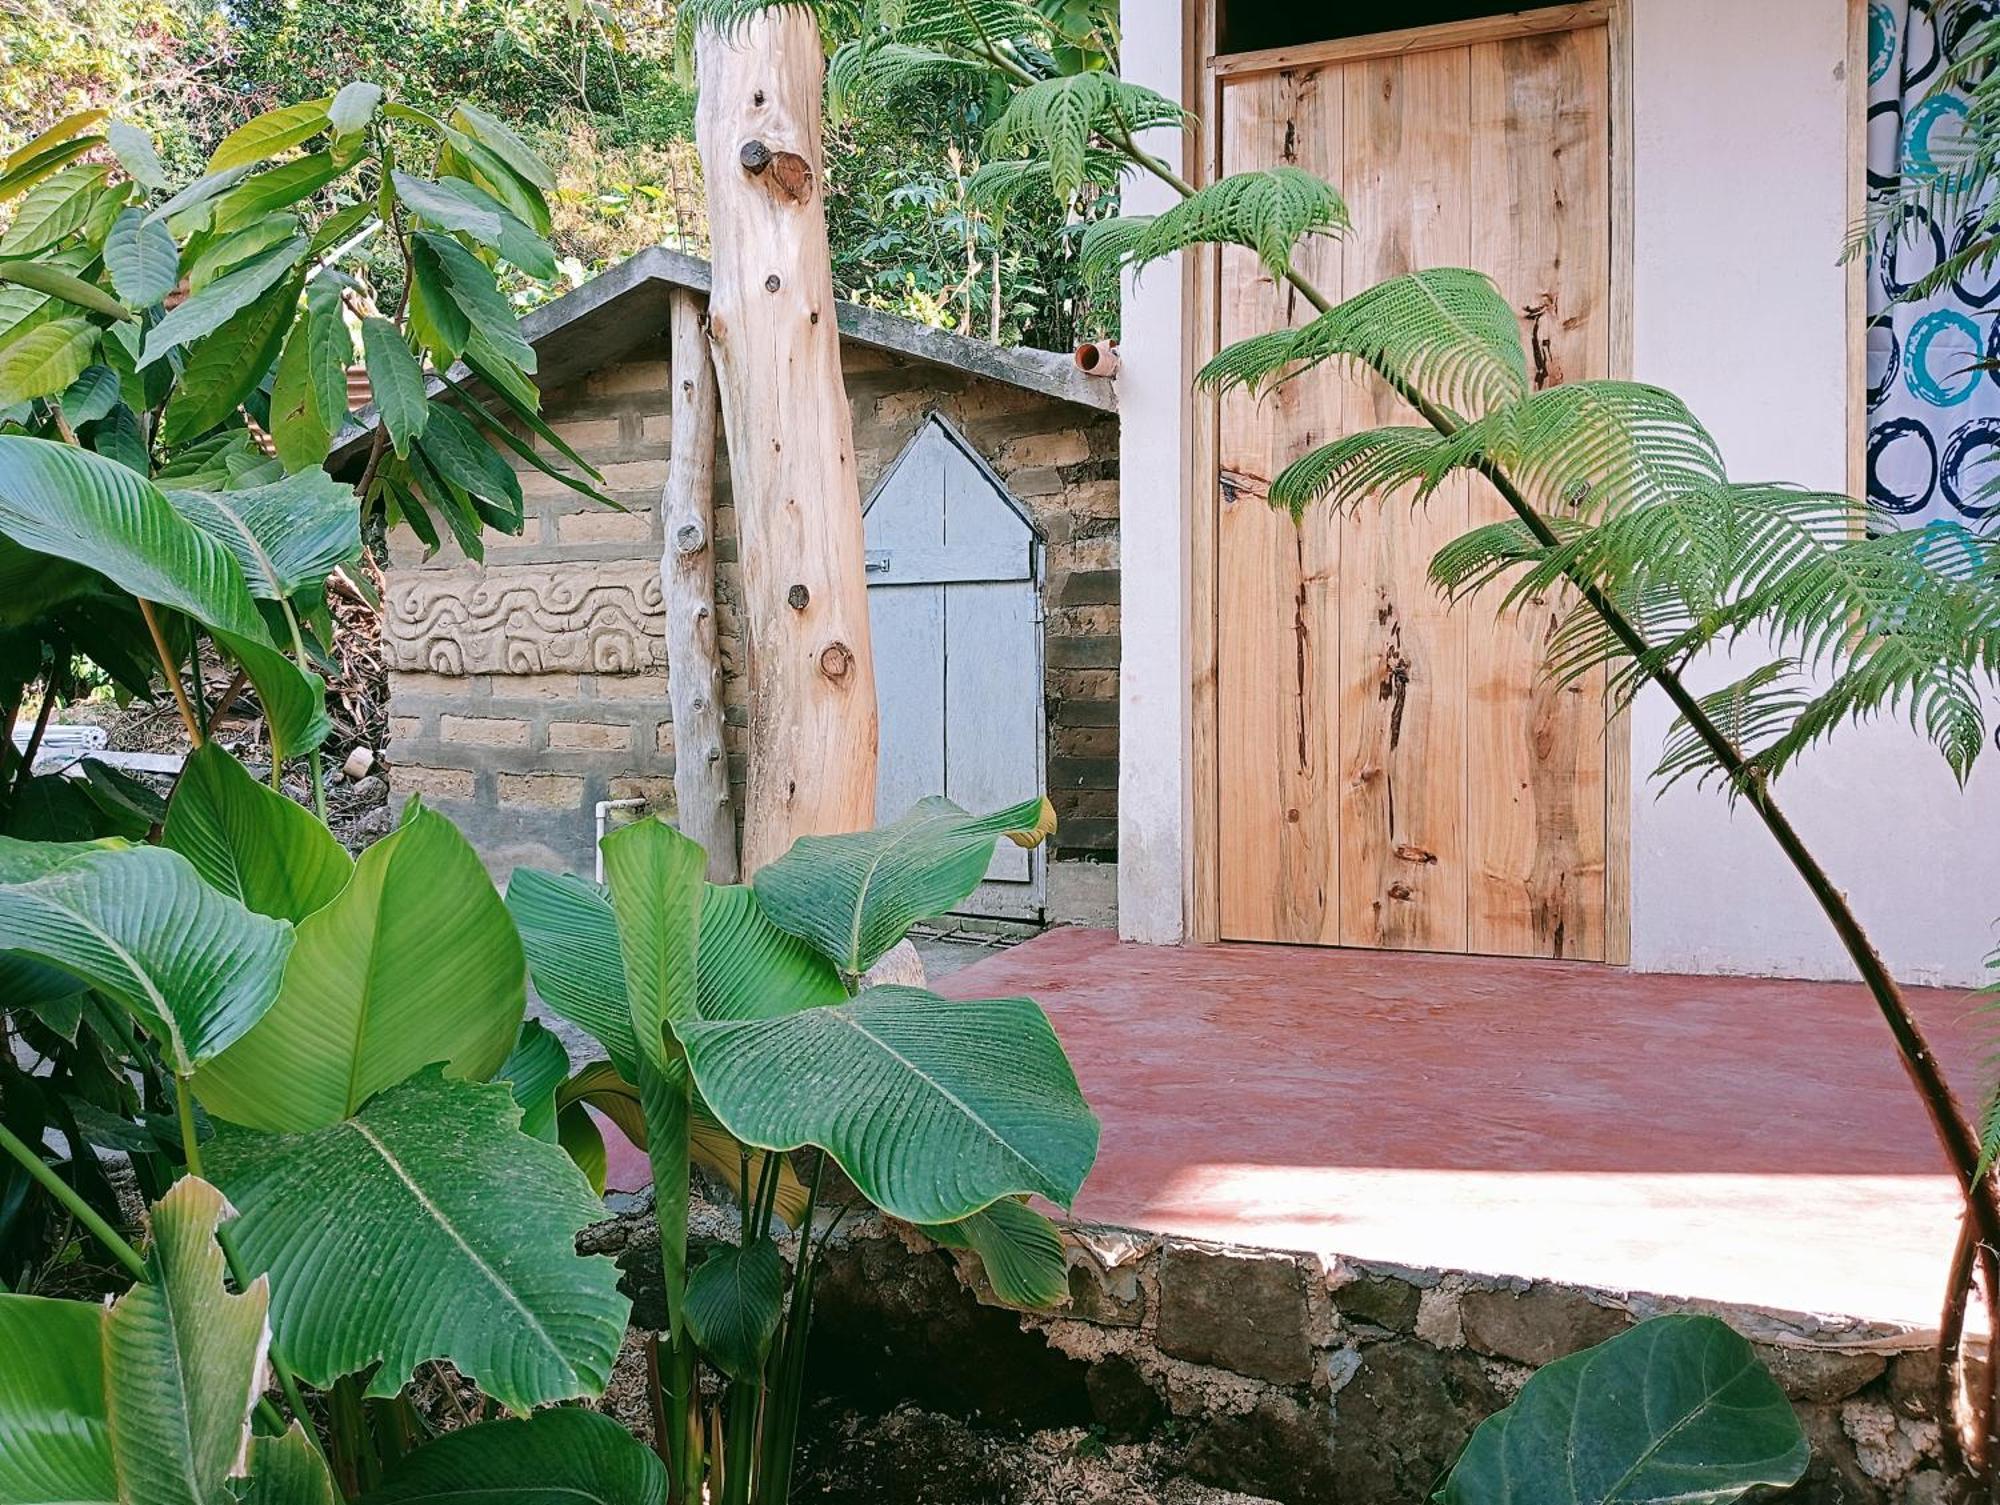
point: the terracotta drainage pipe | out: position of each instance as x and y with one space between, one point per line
1097 358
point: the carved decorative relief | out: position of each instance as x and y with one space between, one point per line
578 618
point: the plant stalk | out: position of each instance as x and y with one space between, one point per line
172 671
313 754
73 1203
41 727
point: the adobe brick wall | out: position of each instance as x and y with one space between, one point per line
526 689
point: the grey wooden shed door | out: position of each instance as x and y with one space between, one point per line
956 623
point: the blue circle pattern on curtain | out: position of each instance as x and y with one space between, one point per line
1933 416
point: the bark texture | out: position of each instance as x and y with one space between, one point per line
687 585
791 443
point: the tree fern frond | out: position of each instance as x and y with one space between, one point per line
1356 468
1747 711
1591 449
961 23
727 17
1265 211
1001 184
1447 332
873 65
1057 117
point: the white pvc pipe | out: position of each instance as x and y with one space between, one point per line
603 814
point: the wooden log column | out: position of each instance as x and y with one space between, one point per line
687 586
791 442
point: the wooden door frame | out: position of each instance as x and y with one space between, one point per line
1203 73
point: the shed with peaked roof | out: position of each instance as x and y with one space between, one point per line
528 690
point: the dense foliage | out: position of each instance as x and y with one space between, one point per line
599 89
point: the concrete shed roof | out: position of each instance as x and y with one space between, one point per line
626 305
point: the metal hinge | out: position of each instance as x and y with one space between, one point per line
876 562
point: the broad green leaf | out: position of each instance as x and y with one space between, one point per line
264 851
139 925
197 193
64 502
571 941
448 209
428 1226
437 321
268 134
184 1359
57 283
583 1142
91 396
142 259
415 962
147 1403
131 807
286 1470
655 875
46 359
1677 1410
499 431
934 1108
45 163
135 153
286 536
454 447
212 256
470 284
1020 1250
300 435
279 188
509 147
536 1068
854 896
749 968
567 1456
666 1103
56 209
353 107
226 367
223 299
117 437
55 1440
734 1303
65 129
397 381
329 352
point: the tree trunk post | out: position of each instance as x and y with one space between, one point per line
791 440
687 585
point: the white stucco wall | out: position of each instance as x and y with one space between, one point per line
1740 205
1740 196
1154 809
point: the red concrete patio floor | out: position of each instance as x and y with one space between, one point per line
1737 1140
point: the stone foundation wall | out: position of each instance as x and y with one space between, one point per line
1293 1379
527 688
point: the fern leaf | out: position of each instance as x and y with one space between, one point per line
1446 332
874 66
1356 468
1057 118
728 17
1266 212
961 23
1002 184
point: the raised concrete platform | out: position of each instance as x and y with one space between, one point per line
1729 1140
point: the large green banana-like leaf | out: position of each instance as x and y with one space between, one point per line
537 1068
285 536
656 887
55 1439
745 967
934 1108
184 1359
415 962
197 969
854 896
73 505
263 850
427 1226
734 1302
567 1456
147 1403
1021 1251
570 937
710 1146
286 1470
1677 1410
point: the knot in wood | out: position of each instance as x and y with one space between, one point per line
773 282
755 156
689 539
835 660
797 597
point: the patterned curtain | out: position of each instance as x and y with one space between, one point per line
1933 424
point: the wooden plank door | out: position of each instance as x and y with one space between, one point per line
1391 773
953 615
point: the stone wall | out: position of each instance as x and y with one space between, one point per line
526 689
1289 1378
